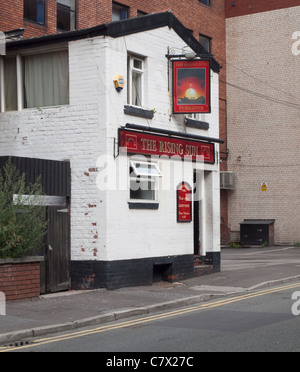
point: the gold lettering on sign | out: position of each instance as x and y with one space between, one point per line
171 148
148 144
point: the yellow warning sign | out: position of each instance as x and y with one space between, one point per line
264 187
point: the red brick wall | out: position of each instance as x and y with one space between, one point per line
11 14
244 7
207 20
20 281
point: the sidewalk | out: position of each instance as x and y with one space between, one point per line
242 270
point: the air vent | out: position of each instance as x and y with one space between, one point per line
227 180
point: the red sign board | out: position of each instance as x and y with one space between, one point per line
153 144
184 203
191 86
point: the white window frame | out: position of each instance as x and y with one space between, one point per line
20 80
150 177
139 71
196 116
19 92
192 116
138 172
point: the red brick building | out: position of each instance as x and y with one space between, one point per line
245 7
205 18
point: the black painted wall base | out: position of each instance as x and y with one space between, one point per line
139 272
214 258
128 273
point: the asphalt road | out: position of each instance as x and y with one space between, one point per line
259 321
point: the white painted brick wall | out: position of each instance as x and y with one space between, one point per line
102 226
144 233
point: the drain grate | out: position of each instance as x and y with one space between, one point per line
18 344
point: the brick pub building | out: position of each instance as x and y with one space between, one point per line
63 108
204 18
261 138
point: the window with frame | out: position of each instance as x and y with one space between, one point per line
119 12
205 41
34 11
206 2
66 15
135 81
194 116
9 84
143 180
31 81
140 13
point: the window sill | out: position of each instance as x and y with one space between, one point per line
34 23
33 109
59 31
192 123
138 111
143 205
46 107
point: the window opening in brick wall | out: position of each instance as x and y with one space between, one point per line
194 116
140 13
34 10
119 12
206 2
46 80
32 81
205 41
10 84
143 180
66 15
135 81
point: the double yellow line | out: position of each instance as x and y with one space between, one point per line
151 318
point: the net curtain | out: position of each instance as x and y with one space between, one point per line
46 79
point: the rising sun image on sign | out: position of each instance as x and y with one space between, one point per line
191 93
191 89
191 86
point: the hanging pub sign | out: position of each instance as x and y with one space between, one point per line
184 202
191 86
134 142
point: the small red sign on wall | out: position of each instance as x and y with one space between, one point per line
184 202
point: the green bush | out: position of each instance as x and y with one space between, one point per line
23 222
